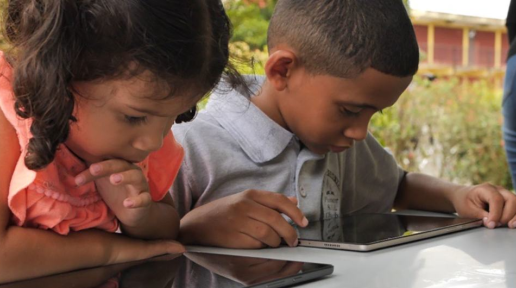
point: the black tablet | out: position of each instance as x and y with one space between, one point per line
193 270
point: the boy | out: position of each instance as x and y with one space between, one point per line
303 134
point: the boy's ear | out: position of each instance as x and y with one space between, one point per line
279 68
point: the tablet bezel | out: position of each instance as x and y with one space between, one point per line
389 242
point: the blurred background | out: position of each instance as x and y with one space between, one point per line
448 122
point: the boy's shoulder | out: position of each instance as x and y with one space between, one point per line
205 130
214 125
231 122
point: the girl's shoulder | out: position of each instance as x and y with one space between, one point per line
7 102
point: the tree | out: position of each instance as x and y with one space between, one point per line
250 19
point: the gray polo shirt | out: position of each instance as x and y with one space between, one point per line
232 146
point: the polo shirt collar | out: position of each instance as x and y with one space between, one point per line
259 136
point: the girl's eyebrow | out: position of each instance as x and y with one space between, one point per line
150 112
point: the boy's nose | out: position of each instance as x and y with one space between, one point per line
357 133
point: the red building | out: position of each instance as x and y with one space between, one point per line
460 45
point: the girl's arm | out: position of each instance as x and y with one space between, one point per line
162 222
84 278
27 253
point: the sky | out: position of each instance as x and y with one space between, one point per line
481 8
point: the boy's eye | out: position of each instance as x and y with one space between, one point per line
135 120
353 112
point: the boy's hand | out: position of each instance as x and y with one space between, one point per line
494 204
250 219
122 186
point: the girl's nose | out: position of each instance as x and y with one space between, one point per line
149 142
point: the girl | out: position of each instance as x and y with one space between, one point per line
88 95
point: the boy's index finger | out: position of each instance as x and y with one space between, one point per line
281 204
102 169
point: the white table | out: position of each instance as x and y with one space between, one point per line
474 258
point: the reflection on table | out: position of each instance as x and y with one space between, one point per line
370 228
191 270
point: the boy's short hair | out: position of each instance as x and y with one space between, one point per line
342 38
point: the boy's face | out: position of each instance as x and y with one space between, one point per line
328 113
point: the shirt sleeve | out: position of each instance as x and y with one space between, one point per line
181 189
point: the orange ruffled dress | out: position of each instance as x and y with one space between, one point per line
49 198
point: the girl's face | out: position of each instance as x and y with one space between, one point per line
123 119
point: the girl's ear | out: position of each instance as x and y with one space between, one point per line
279 68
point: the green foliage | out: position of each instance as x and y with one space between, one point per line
449 128
248 61
4 45
250 21
407 4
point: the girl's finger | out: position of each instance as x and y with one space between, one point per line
103 169
142 200
134 178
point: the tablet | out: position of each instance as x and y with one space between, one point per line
193 270
367 232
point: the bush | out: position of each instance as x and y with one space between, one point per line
448 128
250 21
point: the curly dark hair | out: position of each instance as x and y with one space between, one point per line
57 42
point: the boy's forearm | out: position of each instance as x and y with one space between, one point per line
162 222
423 192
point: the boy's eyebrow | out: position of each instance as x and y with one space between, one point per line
360 105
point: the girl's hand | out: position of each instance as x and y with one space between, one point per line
122 186
494 204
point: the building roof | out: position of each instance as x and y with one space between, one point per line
459 21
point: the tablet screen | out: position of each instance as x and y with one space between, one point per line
372 228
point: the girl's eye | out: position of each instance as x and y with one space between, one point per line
351 112
135 120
